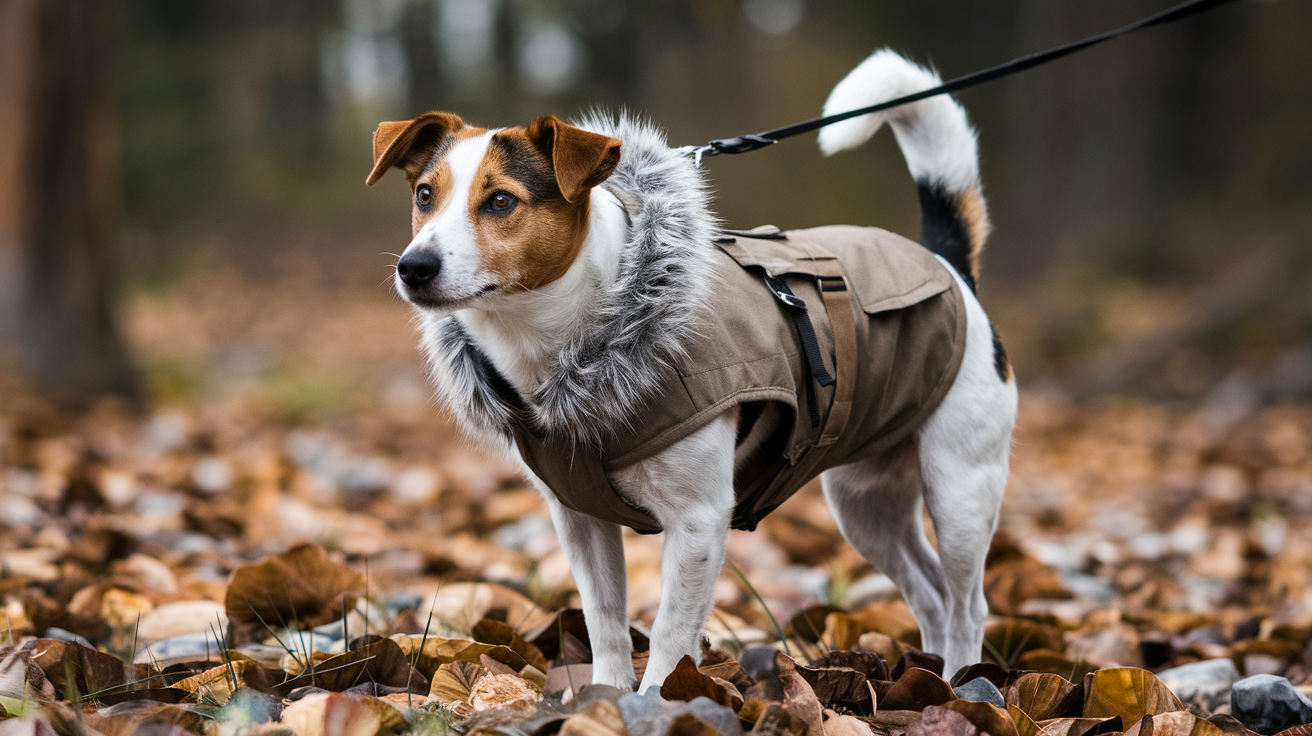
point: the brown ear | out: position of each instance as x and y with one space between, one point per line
582 160
395 142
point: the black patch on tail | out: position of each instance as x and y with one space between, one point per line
942 230
1000 362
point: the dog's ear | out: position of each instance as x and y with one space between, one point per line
407 144
582 160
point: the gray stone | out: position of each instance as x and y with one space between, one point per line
1206 683
1269 704
981 690
180 648
759 662
652 714
58 634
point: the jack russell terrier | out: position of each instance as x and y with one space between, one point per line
583 313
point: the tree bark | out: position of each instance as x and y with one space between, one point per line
57 197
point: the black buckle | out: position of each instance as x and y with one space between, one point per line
784 294
832 283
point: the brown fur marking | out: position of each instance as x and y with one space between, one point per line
975 216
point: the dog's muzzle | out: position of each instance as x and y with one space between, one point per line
418 270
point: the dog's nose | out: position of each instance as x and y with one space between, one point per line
418 269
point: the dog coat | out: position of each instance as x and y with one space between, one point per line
889 327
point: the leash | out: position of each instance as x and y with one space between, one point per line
751 142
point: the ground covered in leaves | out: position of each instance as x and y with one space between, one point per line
226 570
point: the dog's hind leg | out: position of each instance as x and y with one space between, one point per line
965 447
877 505
595 551
688 488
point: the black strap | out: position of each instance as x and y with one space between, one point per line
745 143
812 362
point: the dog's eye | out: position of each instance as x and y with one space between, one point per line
424 195
502 202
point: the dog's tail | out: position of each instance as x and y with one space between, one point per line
938 144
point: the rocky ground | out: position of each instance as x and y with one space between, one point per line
222 569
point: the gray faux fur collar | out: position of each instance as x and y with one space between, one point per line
642 323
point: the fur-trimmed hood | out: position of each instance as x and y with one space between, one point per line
641 323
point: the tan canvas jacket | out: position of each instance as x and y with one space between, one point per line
891 326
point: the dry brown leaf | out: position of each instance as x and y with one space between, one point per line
498 633
917 689
799 699
1025 726
341 714
301 585
500 691
893 618
1044 696
1079 726
775 721
938 721
602 718
437 652
91 671
219 683
1183 723
687 682
843 725
984 716
380 661
838 685
1127 692
454 681
180 618
1056 663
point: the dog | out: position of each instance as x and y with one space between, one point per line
561 275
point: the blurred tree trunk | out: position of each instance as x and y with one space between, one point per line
57 197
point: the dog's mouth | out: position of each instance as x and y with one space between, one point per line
444 304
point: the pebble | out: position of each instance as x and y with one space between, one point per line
652 714
981 690
1206 683
59 634
1268 704
178 647
759 662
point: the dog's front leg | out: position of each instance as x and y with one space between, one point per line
595 551
689 489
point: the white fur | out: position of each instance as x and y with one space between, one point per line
936 139
522 332
450 232
956 465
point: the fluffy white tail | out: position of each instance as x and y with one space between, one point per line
937 142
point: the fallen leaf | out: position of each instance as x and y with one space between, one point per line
69 665
341 714
984 716
500 691
1044 696
432 653
219 683
799 699
917 689
602 718
381 661
1127 692
454 681
687 682
776 721
489 631
843 725
1182 723
942 722
1079 726
301 586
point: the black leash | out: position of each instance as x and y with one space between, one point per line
751 142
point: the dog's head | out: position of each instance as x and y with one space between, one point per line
494 211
